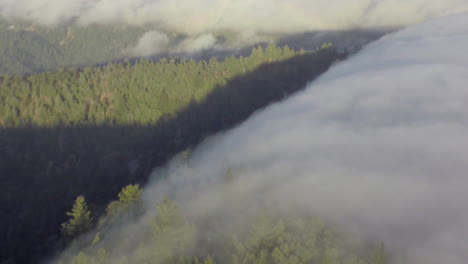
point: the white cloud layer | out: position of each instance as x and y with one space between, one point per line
196 44
379 144
269 16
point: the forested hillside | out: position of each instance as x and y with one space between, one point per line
90 131
121 94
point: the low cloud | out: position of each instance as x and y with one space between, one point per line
151 43
196 44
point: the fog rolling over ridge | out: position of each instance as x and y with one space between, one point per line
378 144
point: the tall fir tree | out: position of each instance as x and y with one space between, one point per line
80 219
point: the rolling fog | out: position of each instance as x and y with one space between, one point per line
379 144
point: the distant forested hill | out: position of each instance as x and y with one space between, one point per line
27 49
90 131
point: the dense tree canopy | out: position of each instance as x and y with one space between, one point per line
118 94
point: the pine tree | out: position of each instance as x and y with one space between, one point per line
130 195
80 219
129 201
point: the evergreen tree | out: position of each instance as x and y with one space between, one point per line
130 195
80 219
129 202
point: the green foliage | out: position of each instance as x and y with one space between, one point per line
130 195
327 45
124 93
80 219
129 201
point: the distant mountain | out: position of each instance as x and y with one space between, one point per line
27 49
25 52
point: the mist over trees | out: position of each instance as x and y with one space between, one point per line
171 236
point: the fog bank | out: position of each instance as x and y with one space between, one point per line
378 144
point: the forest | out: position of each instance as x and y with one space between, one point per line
121 94
91 131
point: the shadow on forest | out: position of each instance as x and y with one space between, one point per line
42 170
